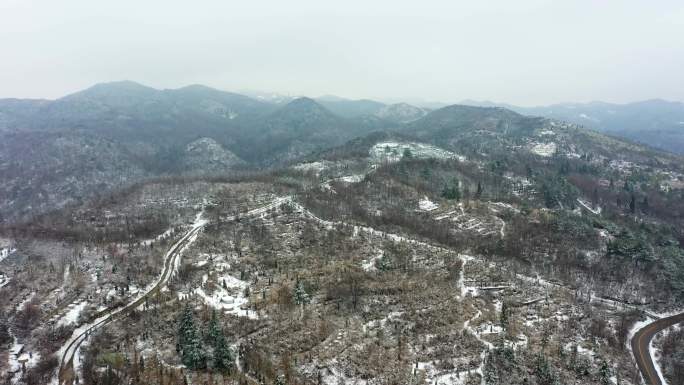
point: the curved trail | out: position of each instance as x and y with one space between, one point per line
640 347
66 369
171 260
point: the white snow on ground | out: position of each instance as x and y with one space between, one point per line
369 230
26 300
334 376
503 205
656 362
72 345
394 151
17 356
587 206
261 211
546 132
199 222
502 230
489 345
311 166
352 178
229 300
544 149
668 313
445 215
71 317
426 204
5 252
655 355
435 376
381 323
163 235
628 344
369 264
461 280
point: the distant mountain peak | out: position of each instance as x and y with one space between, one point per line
401 112
197 87
303 105
119 92
463 109
121 85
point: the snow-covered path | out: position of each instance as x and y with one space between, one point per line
17 355
69 352
596 211
488 345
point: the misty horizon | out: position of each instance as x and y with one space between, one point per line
527 53
421 102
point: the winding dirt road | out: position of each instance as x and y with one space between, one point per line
67 373
66 369
640 347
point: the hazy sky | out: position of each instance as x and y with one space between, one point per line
519 51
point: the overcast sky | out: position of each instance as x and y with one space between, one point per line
524 52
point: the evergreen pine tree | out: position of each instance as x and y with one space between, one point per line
214 329
185 324
301 297
223 356
452 191
504 316
478 194
426 173
490 372
407 153
192 354
604 373
543 371
384 263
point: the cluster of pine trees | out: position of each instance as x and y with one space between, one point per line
193 347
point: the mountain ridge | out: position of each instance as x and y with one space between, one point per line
141 132
655 122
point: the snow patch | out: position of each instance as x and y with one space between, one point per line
395 151
426 204
586 205
228 296
356 178
369 264
71 317
5 252
544 149
656 362
311 166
